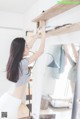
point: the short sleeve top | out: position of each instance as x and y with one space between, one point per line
24 73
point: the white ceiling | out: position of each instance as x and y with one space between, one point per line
16 6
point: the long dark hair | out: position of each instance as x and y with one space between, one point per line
16 54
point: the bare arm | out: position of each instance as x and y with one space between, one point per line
41 48
31 41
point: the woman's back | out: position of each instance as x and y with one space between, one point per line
20 86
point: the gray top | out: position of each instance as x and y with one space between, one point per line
23 72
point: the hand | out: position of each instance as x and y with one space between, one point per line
41 32
33 37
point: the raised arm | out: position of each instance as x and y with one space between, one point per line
41 48
31 41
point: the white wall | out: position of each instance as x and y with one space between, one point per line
35 11
11 20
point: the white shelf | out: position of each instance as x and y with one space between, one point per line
54 11
67 29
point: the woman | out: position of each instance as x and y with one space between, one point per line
17 72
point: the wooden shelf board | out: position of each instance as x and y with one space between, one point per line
67 29
54 11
